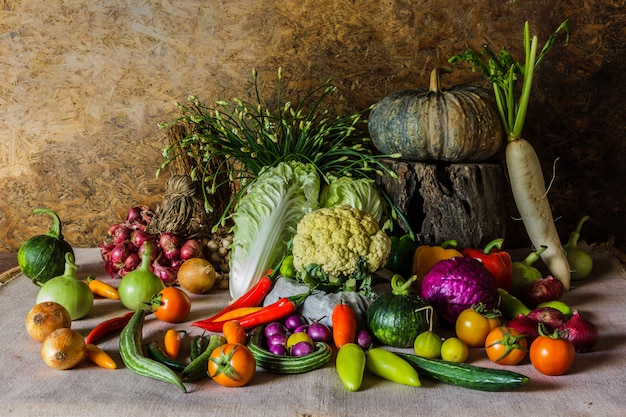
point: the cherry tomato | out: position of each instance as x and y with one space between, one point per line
454 350
428 345
506 346
171 305
552 355
232 365
474 324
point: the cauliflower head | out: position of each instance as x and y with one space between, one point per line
338 240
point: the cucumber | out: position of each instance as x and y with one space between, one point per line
466 375
287 364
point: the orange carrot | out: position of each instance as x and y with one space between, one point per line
100 357
172 341
234 332
344 325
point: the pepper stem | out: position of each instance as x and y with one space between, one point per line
496 243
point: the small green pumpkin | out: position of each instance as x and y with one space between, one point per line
395 318
460 124
42 257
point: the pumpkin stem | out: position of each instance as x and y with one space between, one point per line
435 78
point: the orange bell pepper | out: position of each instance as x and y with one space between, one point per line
425 257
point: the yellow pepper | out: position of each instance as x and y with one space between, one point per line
426 256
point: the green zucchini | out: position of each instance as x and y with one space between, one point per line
132 355
287 364
466 375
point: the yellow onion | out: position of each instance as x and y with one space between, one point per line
63 349
46 317
196 275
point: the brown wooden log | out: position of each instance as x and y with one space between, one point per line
448 201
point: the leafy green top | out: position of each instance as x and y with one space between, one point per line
503 72
237 140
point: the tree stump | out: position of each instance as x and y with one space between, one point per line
448 201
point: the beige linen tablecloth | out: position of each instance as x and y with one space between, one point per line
595 386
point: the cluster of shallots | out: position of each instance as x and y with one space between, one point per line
129 239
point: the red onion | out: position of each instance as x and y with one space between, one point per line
541 291
134 215
170 244
139 237
165 273
132 261
549 316
525 325
120 233
191 249
155 252
581 332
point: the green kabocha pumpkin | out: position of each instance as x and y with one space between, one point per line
42 257
460 124
395 318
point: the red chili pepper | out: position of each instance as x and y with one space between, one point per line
497 262
108 327
252 298
272 312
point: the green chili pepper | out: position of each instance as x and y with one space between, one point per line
350 365
392 367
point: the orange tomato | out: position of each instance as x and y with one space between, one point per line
171 305
552 355
506 346
232 365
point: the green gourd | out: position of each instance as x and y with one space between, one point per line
460 124
396 318
42 257
69 291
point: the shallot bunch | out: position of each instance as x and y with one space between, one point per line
128 241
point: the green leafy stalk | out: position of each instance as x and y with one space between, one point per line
503 72
237 140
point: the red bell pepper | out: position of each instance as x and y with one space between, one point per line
497 262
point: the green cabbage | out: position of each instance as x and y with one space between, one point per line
360 193
266 218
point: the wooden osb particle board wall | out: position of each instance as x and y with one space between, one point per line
84 85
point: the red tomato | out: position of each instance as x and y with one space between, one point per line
232 365
473 325
171 305
506 346
552 355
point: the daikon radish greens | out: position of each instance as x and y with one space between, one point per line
523 166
